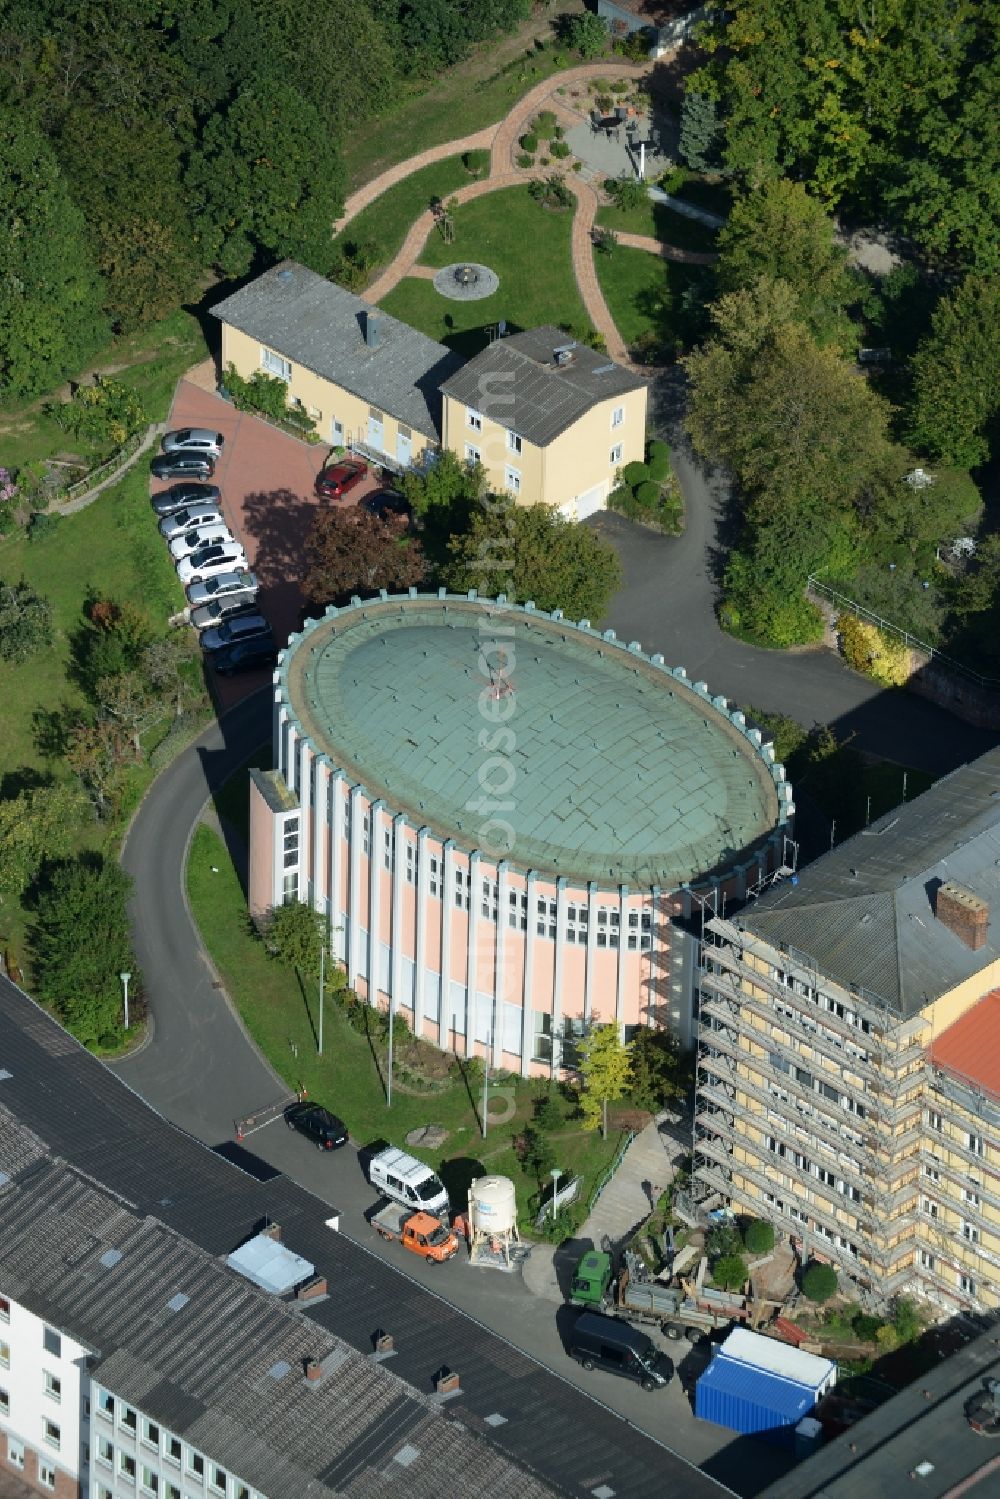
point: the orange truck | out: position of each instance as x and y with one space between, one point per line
421 1233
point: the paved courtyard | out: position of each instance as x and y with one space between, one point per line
266 478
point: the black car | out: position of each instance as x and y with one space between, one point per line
180 495
323 1128
245 655
387 504
182 466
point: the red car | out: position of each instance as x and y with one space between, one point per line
334 481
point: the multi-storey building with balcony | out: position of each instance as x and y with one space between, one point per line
833 1070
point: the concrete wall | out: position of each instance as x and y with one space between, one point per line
44 1428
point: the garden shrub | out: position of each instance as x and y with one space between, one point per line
635 473
545 125
730 1272
106 412
758 1237
723 1240
674 180
476 162
559 150
819 1282
524 160
658 461
626 193
529 142
867 649
648 495
267 394
42 524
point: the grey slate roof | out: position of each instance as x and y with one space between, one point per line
204 1370
530 394
321 326
81 1111
864 913
924 1423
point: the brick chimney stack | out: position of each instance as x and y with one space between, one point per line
964 913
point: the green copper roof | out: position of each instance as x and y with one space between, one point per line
603 765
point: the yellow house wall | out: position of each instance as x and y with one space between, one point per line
946 1010
320 395
575 462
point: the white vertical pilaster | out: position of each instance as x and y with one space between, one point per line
420 945
622 950
278 739
527 1027
447 901
557 974
354 893
588 981
472 952
291 758
338 905
306 819
396 936
375 849
320 827
503 871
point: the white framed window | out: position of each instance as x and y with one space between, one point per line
217 1479
513 442
150 1432
934 1121
4 1403
608 922
545 918
927 1260
967 1285
173 1492
195 1464
512 480
517 910
52 1342
461 889
970 1232
172 1450
53 1387
388 835
275 364
105 1403
105 1450
15 1453
970 1198
4 1355
473 420
577 923
51 1433
315 414
126 1466
4 1309
46 1475
434 876
103 1492
150 1481
127 1417
411 863
472 453
366 834
615 456
618 417
489 901
931 1172
976 1144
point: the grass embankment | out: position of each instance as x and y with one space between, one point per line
644 294
386 221
659 221
528 247
280 1012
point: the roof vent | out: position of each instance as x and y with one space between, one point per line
565 354
286 277
371 330
176 1303
604 369
279 1369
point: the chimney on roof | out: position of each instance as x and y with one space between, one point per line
371 329
964 913
311 1289
314 1369
446 1381
272 1231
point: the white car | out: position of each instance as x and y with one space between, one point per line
199 536
219 557
201 440
217 588
188 518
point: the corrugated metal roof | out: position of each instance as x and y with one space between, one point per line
319 325
806 1369
864 913
530 393
970 1049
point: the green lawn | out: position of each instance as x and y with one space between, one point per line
477 92
659 222
717 197
529 248
386 221
111 547
152 360
643 294
281 1015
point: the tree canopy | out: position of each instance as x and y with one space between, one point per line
956 376
606 1070
356 551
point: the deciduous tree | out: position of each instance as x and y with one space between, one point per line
606 1070
41 823
356 551
25 621
956 376
294 934
533 552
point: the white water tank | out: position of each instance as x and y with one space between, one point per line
493 1204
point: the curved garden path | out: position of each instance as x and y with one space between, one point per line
501 140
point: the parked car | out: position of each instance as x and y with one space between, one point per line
194 440
240 627
219 557
245 655
404 1179
602 1343
219 586
182 466
206 616
318 1124
337 479
188 518
198 537
389 504
178 495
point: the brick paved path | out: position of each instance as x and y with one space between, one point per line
481 141
667 252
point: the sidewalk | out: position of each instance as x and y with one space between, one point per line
645 1172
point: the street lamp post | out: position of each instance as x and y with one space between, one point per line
555 1174
486 1080
322 977
388 1081
125 978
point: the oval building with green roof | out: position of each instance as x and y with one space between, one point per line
502 813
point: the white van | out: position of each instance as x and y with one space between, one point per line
408 1181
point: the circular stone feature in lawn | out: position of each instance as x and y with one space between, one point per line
466 282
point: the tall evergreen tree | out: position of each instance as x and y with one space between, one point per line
50 291
701 131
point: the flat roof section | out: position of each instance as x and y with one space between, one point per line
603 765
270 1265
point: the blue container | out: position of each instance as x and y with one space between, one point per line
752 1401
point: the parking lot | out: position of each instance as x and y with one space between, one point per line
266 479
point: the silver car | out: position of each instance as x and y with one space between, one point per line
219 610
188 518
241 627
194 440
219 557
217 588
198 537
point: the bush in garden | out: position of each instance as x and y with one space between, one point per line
476 162
758 1237
730 1272
658 461
635 473
819 1282
648 494
524 160
529 142
545 126
559 150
